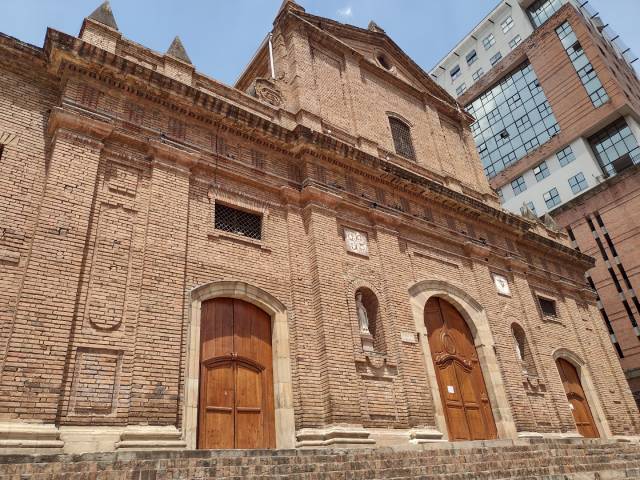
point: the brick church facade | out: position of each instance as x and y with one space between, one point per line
312 257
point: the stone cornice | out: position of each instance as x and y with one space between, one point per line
98 129
199 105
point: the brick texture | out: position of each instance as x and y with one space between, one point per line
107 199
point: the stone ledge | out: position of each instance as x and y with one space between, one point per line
20 437
150 438
334 435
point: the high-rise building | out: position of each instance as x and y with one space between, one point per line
557 106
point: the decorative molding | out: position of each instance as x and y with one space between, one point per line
21 437
146 437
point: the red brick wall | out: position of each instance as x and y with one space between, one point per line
118 229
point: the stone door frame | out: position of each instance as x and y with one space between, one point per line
476 318
282 383
590 392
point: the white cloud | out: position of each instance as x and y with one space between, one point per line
346 11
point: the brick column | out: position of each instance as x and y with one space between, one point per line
33 367
156 374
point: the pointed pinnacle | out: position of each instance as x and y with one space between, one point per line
104 15
177 50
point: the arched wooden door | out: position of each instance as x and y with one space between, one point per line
236 407
577 399
462 389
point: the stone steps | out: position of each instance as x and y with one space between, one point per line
491 460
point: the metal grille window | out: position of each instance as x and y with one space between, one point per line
489 41
551 198
477 74
518 105
541 171
580 62
616 147
238 221
565 156
507 24
541 11
578 183
402 138
495 59
548 307
518 185
515 41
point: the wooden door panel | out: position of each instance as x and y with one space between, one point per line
216 331
249 408
236 381
577 399
460 379
217 415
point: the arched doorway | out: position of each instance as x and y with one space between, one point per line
462 389
577 399
236 403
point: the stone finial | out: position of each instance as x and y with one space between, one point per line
177 50
289 4
104 15
374 27
549 222
527 212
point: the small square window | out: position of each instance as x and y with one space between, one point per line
551 198
518 185
472 56
495 59
565 156
515 41
541 171
507 24
237 221
489 41
578 183
548 307
461 89
477 74
455 72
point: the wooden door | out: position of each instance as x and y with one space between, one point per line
236 376
577 399
462 389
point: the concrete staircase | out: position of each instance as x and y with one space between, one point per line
502 459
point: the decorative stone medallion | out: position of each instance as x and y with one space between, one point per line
502 285
356 242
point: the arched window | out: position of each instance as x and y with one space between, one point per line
369 320
401 133
523 352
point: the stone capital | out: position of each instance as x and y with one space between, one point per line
174 154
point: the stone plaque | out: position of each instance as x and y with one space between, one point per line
356 242
408 337
502 285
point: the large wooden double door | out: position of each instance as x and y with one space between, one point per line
236 408
462 389
577 399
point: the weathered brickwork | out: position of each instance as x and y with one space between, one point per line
107 201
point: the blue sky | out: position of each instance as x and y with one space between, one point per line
221 35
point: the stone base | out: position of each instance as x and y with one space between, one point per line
425 435
20 437
530 435
343 435
150 438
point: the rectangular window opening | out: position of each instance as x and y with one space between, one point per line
237 221
548 307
